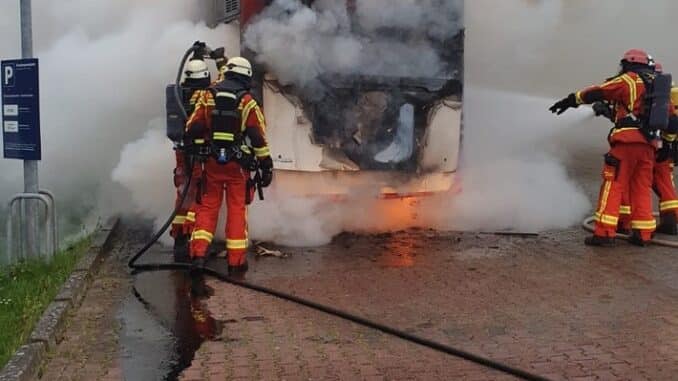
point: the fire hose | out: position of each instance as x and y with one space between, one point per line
588 224
449 350
138 268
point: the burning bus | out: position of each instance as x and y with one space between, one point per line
391 127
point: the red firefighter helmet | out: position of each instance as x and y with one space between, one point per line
637 56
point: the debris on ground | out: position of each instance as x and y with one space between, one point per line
261 251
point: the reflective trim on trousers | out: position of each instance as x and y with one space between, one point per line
667 205
202 235
644 225
606 219
237 244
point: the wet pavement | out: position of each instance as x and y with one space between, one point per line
546 304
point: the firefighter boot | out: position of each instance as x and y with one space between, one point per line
181 249
238 271
667 224
197 264
595 240
637 239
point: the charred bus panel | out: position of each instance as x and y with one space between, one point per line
400 134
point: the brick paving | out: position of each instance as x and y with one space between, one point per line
548 305
89 350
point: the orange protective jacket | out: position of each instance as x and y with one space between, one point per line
626 93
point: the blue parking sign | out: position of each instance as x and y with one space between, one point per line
20 109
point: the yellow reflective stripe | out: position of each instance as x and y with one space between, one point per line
202 235
223 136
262 152
606 219
237 244
245 149
625 209
603 199
260 118
179 220
246 112
578 98
669 137
194 114
644 224
611 82
632 91
190 217
199 141
618 130
666 205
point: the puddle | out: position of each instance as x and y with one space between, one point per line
163 324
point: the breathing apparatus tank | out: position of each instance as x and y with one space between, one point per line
178 95
659 102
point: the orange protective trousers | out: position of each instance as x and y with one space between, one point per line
185 218
633 176
229 179
665 188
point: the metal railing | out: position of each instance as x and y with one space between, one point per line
46 198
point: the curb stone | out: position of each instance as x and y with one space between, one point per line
49 328
28 359
25 363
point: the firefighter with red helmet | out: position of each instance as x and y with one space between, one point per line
630 160
228 116
662 180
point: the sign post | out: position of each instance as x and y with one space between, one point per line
21 120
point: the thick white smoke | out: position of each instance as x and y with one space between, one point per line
104 66
509 181
300 44
103 69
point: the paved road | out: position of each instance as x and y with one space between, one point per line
547 305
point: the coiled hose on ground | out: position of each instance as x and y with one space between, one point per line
588 225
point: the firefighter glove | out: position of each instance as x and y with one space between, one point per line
569 102
266 166
666 152
602 108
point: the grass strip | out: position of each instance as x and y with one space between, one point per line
26 289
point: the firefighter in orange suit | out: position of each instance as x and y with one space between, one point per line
662 181
227 115
197 78
630 161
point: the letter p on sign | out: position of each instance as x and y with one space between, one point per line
8 76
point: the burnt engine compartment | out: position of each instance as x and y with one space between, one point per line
379 123
376 117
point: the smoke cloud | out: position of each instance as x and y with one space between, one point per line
103 70
300 44
104 66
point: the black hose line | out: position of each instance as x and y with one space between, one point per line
350 317
305 302
323 308
184 193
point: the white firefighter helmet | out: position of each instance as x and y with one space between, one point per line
197 69
239 65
